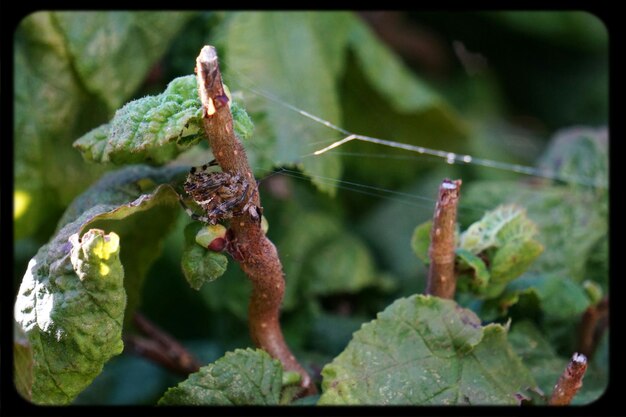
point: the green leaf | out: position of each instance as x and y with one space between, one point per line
242 123
71 306
425 350
420 241
155 129
579 155
149 129
391 78
199 264
560 298
297 56
343 264
50 106
242 377
56 99
513 259
496 227
72 298
504 236
479 278
298 244
537 354
112 51
320 257
22 363
131 203
572 219
547 366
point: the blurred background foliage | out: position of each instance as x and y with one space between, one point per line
495 85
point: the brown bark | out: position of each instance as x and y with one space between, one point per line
570 381
255 253
441 275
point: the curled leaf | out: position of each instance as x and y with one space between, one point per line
71 307
72 300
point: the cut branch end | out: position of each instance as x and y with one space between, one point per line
441 275
570 381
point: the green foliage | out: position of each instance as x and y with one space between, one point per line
129 200
71 307
345 253
439 354
73 296
547 366
199 264
479 276
155 129
242 377
571 219
250 38
321 256
71 69
503 239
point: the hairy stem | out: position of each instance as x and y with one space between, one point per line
160 347
256 254
441 275
570 381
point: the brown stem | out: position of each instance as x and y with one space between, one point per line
441 276
593 324
570 381
256 254
160 347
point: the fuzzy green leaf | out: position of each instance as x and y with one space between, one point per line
242 377
425 350
155 129
71 306
199 264
73 296
148 129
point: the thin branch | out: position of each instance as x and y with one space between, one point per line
256 254
592 326
441 276
570 381
160 347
